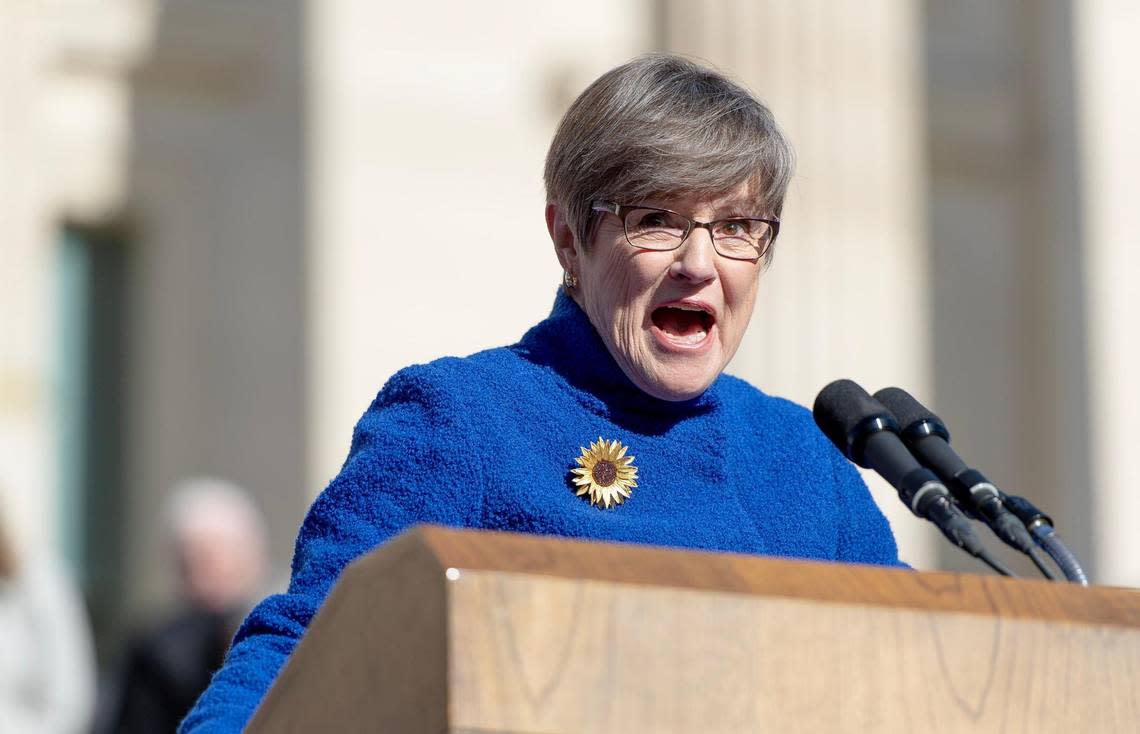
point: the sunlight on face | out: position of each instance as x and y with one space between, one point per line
672 320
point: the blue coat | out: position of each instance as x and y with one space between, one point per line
488 441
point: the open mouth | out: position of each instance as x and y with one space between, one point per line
683 324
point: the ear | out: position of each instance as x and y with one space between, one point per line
562 235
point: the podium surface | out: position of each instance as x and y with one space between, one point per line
460 631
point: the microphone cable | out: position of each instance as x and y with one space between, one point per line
992 561
1040 527
949 518
1038 559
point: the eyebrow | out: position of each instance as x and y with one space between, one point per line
735 210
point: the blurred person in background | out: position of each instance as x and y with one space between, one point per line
47 659
219 543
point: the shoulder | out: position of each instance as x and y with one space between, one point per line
450 382
422 409
746 402
416 403
442 392
467 393
785 428
785 435
416 456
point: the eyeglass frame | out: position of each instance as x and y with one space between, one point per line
620 210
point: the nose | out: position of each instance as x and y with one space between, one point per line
695 260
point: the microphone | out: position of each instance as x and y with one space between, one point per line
929 439
866 433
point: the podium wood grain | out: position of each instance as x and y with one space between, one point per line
458 631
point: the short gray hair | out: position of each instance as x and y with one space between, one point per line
662 124
203 500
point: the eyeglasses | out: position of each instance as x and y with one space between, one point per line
648 228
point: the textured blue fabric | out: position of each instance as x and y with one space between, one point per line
488 441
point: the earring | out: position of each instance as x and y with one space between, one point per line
569 279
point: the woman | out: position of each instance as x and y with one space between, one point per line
611 419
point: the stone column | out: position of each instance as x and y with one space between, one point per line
218 192
1108 114
1009 318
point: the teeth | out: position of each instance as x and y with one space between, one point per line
695 338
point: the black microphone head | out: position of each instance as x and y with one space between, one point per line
848 415
916 420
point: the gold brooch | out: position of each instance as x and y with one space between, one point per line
605 472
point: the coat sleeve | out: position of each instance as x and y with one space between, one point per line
409 463
864 534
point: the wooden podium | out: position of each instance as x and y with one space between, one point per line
459 631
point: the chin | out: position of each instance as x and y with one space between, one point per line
683 364
677 388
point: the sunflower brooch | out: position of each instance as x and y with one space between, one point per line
605 473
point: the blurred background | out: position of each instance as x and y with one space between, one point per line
210 236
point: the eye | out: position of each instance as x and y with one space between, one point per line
732 228
655 230
651 221
654 219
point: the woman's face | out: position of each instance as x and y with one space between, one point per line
672 320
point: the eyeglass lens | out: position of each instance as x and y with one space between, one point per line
651 229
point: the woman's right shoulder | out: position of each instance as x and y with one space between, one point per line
448 383
452 397
416 455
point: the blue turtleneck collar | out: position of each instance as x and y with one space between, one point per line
567 343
